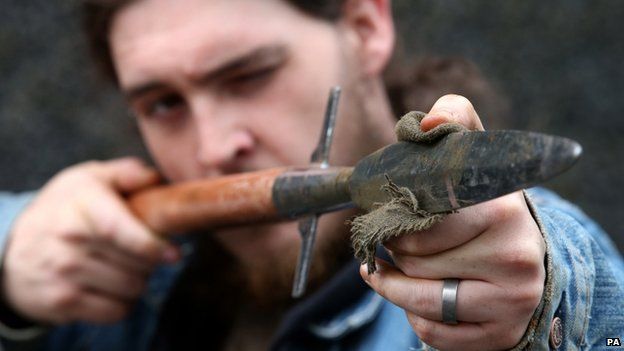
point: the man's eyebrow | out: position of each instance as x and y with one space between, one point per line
141 89
264 54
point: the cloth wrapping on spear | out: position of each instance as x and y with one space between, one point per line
401 214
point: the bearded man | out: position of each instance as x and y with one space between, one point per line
227 86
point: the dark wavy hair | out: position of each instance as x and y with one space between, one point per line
411 83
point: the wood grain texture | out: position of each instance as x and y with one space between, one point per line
208 204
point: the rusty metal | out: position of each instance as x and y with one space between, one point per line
462 169
312 190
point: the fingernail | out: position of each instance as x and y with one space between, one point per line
365 276
425 126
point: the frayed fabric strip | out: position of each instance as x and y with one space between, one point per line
401 214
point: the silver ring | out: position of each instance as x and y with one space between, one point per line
449 301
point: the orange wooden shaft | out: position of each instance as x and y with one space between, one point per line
206 204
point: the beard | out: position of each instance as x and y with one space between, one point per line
265 271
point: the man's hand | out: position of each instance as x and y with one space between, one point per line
77 253
494 248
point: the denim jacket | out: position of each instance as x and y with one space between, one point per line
582 304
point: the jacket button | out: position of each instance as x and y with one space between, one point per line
556 333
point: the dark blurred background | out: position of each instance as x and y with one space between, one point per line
558 63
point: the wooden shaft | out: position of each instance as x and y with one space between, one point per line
207 204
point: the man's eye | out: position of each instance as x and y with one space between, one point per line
164 107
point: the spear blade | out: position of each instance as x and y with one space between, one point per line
462 169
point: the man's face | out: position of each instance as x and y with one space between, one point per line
226 86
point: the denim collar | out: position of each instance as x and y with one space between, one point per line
341 306
354 317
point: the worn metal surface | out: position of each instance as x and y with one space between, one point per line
307 230
321 153
313 190
463 169
307 225
460 170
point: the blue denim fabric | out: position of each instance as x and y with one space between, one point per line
584 287
585 284
11 205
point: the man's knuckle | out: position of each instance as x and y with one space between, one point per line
508 337
149 249
145 246
409 244
91 166
66 183
64 298
492 336
532 297
517 258
115 312
134 285
68 232
109 229
79 172
526 299
522 257
130 161
107 312
534 270
67 265
408 265
505 210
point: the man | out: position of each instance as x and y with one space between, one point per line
227 86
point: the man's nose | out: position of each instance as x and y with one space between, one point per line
222 146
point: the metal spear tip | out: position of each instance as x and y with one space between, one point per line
559 155
462 169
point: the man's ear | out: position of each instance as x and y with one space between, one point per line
370 23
